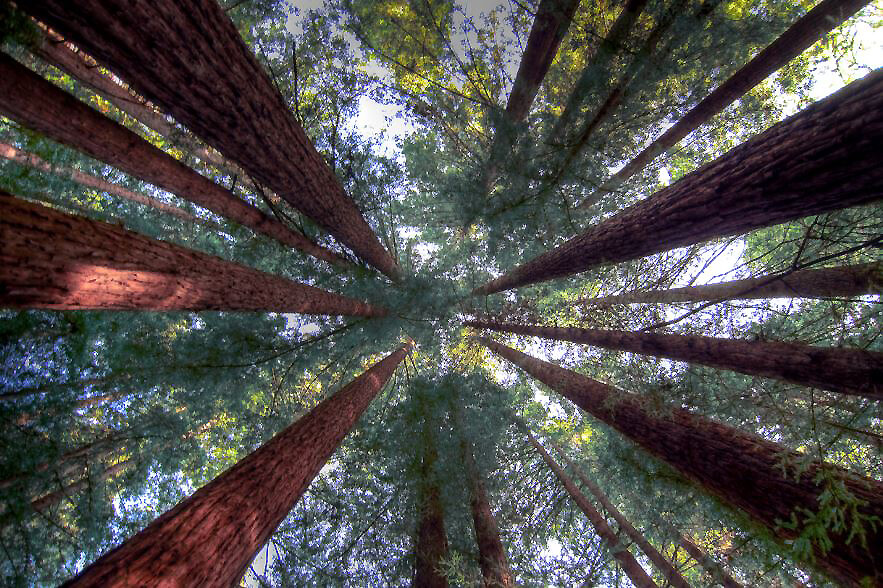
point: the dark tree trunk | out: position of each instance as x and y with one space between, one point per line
54 260
672 576
765 480
188 58
843 370
823 18
828 282
210 538
629 564
819 160
41 106
431 545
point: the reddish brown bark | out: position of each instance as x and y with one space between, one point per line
844 370
188 58
39 105
765 480
629 564
668 571
823 18
819 160
210 538
54 260
431 545
828 282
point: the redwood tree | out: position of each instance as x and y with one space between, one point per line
210 538
431 543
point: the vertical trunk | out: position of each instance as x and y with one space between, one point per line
629 564
55 260
668 571
209 538
204 75
431 546
843 370
45 108
765 480
491 554
829 282
819 160
822 19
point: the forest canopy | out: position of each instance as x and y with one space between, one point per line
391 292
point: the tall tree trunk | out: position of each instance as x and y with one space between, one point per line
629 564
765 480
822 19
188 58
843 370
491 553
431 546
210 538
553 18
829 282
54 260
819 160
41 106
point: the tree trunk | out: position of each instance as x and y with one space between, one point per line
672 576
54 260
829 282
491 553
815 24
431 546
204 75
767 481
843 370
53 498
629 564
210 538
550 25
819 160
41 106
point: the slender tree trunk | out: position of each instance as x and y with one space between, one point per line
553 18
629 564
819 160
41 106
665 567
829 282
491 553
204 75
765 480
822 19
53 498
843 370
54 260
210 538
431 546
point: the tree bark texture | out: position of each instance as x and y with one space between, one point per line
815 24
765 480
188 58
843 370
210 538
629 564
672 576
431 545
829 282
819 160
45 108
55 260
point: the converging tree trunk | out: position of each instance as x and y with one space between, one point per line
829 282
819 160
822 19
665 567
45 108
210 538
629 564
431 545
55 260
765 480
844 370
207 78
